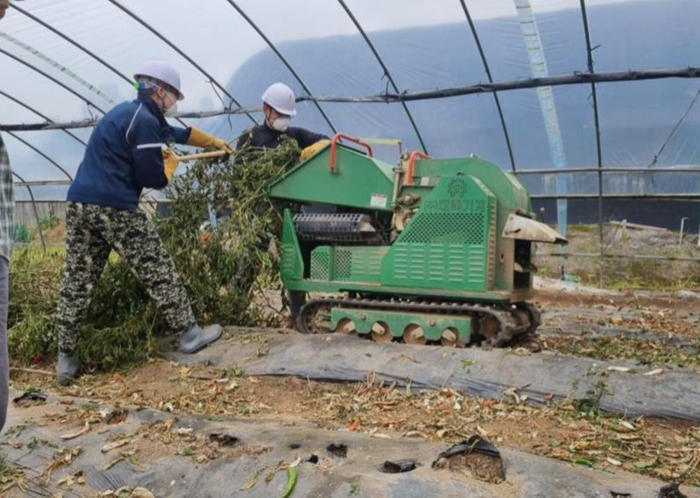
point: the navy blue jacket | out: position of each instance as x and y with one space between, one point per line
264 136
124 155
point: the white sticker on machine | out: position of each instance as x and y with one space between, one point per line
378 200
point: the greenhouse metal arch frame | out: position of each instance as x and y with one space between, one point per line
591 78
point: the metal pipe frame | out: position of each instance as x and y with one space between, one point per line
651 197
48 119
387 73
570 171
616 256
43 183
54 163
90 122
36 212
596 118
48 76
283 59
520 84
487 69
683 196
63 70
79 46
180 52
72 42
407 96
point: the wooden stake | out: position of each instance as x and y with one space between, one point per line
33 371
202 155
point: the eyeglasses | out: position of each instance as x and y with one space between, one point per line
170 91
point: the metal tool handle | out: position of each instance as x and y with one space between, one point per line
334 146
412 164
202 155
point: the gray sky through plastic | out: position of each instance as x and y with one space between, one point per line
424 45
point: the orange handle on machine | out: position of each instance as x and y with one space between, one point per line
412 164
334 146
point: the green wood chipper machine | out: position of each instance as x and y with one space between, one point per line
428 251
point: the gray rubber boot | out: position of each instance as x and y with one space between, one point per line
67 368
195 338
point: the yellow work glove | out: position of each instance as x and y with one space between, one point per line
171 162
312 149
200 139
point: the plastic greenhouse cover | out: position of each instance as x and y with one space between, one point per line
425 44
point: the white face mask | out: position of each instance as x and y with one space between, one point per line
171 110
168 111
281 124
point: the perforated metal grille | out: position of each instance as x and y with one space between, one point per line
446 228
320 265
358 264
491 265
343 264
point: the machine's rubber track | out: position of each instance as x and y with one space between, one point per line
314 316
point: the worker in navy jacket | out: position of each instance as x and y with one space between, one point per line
127 153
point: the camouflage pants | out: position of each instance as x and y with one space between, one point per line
92 232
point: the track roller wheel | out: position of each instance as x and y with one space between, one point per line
346 326
381 332
450 337
413 334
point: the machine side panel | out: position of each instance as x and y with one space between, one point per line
449 243
510 195
347 264
291 261
358 264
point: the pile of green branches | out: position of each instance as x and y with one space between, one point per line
223 265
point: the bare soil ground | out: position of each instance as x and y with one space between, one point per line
578 323
660 329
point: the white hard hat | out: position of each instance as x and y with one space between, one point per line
281 98
163 72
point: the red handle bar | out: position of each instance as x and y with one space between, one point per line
334 145
412 164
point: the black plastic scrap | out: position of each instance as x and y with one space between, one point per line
339 450
223 439
30 397
671 491
476 456
398 466
475 444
